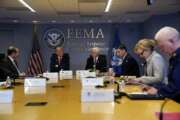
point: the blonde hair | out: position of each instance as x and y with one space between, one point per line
145 44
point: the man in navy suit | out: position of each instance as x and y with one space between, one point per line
96 61
129 65
168 40
59 60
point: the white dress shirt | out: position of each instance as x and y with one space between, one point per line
13 62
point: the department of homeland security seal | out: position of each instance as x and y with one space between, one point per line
54 37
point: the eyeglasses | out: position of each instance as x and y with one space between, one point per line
142 52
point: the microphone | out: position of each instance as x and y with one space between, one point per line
119 94
175 97
161 109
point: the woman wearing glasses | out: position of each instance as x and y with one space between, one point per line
155 70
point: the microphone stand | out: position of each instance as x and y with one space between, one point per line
118 92
161 109
174 98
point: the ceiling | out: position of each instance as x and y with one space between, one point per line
84 11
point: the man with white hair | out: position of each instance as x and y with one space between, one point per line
168 39
59 60
96 61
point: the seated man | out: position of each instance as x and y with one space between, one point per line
129 65
9 64
96 61
59 60
168 40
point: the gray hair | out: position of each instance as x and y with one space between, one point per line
167 33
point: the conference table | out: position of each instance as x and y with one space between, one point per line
64 103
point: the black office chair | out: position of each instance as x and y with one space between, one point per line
2 71
2 56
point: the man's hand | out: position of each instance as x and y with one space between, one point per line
152 91
145 88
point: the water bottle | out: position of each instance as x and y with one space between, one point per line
8 82
122 86
94 68
61 74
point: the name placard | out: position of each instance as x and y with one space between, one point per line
92 81
6 108
6 96
66 74
97 95
35 82
52 76
87 74
34 90
80 72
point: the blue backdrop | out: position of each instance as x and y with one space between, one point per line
20 35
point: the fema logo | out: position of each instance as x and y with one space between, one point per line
54 37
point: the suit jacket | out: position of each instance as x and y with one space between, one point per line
156 70
130 66
101 63
8 69
64 64
173 86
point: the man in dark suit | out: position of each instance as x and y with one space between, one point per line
59 60
168 40
9 64
96 61
129 65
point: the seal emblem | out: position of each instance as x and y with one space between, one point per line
54 37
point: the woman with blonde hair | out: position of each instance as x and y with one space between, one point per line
155 68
